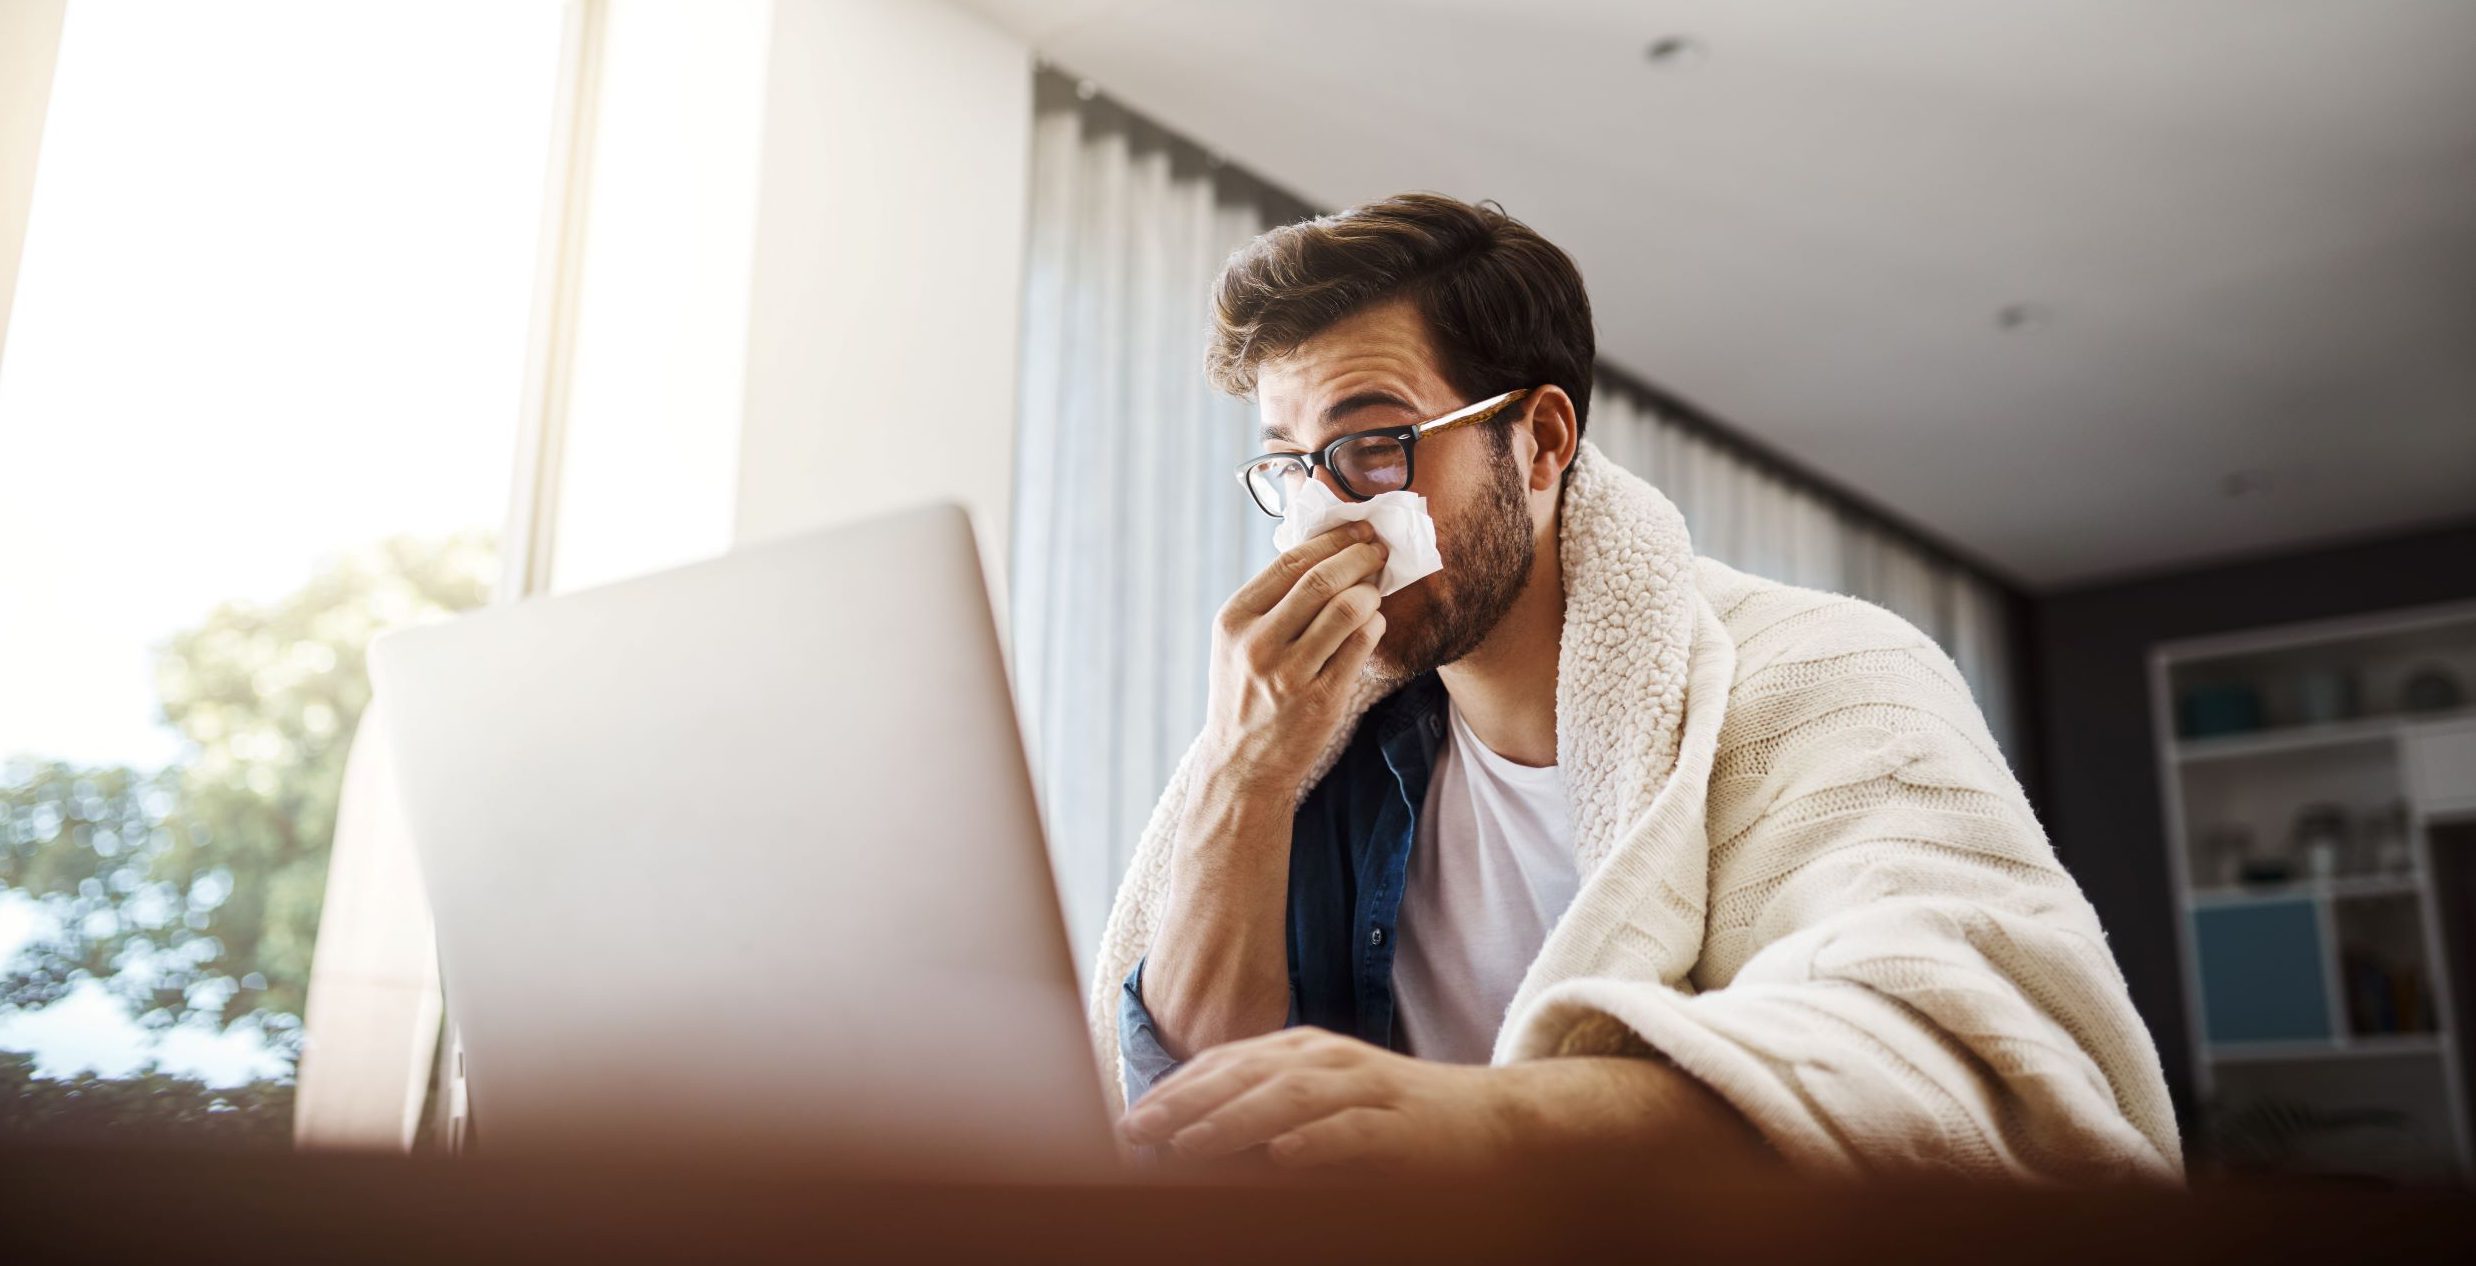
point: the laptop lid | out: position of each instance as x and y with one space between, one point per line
744 855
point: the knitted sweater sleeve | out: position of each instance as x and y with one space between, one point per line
1896 972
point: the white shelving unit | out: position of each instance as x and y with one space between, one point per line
2321 844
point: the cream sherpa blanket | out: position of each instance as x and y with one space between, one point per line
1809 878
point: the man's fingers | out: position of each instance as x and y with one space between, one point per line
1355 649
1359 1135
1319 587
1224 1072
1340 617
1277 1105
1185 1097
1258 595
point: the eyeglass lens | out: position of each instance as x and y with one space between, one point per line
1373 464
1367 466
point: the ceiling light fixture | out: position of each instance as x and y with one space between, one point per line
1676 52
2019 317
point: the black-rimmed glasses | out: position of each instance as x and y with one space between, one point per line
1364 463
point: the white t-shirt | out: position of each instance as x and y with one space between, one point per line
1491 870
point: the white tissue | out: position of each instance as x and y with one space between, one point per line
1400 520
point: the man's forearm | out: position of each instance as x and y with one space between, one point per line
1620 1106
1218 968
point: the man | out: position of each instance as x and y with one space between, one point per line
1581 845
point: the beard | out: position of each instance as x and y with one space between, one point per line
1487 560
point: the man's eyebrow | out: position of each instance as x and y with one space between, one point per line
1366 400
1337 409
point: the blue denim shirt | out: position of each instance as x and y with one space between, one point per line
1349 848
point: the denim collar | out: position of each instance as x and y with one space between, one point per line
1418 703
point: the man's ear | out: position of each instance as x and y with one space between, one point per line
1555 437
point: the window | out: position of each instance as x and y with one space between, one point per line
259 401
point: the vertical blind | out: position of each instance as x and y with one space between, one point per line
1130 531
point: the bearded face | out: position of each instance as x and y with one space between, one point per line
1378 368
1488 547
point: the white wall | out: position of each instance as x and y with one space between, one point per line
29 46
889 257
649 461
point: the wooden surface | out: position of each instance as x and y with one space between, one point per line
193 1208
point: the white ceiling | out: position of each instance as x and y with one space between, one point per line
2253 223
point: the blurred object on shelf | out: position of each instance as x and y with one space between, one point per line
2432 688
2381 845
2384 963
2384 996
2324 696
2209 711
2321 858
2319 839
2229 846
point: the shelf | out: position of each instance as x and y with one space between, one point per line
2330 993
2384 1046
2412 622
2297 738
2324 889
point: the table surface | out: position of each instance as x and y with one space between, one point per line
102 1205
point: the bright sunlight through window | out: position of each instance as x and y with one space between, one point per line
259 401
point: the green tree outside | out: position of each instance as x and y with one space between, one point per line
192 893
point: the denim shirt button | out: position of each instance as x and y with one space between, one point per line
1375 936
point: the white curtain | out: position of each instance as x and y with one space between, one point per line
1130 530
1129 527
1746 513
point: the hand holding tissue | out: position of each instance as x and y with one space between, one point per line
1399 518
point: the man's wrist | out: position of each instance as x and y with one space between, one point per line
1233 804
1232 776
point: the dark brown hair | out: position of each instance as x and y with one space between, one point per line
1504 307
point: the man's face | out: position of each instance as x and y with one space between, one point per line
1376 369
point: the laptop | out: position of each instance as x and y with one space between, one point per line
743 858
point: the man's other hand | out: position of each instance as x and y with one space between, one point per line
1311 1097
